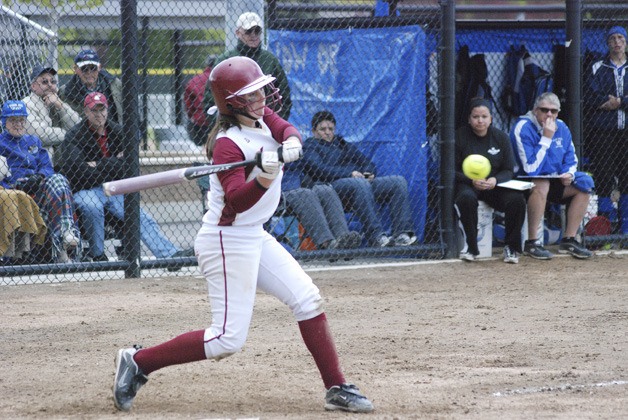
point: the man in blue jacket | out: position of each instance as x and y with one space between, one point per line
606 107
543 147
329 159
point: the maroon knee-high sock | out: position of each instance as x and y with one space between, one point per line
320 343
186 348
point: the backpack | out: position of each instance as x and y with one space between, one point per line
526 80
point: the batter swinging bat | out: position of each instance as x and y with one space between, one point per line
174 176
161 179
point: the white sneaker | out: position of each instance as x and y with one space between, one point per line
405 239
70 240
467 256
383 241
510 256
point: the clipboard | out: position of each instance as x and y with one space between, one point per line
514 184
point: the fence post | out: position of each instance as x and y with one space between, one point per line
573 21
447 89
130 119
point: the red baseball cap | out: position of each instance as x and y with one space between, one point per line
95 98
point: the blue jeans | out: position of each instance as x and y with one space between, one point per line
320 212
361 196
92 204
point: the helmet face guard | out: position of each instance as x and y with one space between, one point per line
233 79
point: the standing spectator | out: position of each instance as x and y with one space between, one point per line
479 137
89 76
31 171
15 80
91 154
319 210
198 125
249 29
49 117
543 147
606 143
328 158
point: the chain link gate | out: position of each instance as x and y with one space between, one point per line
605 132
374 65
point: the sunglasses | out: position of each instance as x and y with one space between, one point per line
549 110
89 68
47 82
255 30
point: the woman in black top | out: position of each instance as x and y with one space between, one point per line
479 137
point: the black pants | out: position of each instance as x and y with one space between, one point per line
511 202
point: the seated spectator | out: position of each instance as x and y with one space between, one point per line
48 116
198 125
89 76
319 210
32 172
479 137
329 159
91 154
543 147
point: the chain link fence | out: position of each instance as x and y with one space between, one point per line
366 73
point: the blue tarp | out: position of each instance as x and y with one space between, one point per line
373 81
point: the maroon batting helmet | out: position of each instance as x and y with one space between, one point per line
235 77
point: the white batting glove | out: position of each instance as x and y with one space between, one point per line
270 165
291 150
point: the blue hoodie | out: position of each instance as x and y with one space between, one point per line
538 155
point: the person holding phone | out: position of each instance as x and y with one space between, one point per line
329 159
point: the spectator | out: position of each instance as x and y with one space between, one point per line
15 80
198 126
479 137
330 159
48 116
606 105
91 154
319 210
249 29
543 148
89 77
31 171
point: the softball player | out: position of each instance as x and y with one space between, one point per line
235 253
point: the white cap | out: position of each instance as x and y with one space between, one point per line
249 20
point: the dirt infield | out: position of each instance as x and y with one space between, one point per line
542 339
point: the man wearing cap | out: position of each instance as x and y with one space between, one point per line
49 118
249 29
606 111
91 154
89 77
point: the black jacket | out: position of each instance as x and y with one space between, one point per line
80 147
74 93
